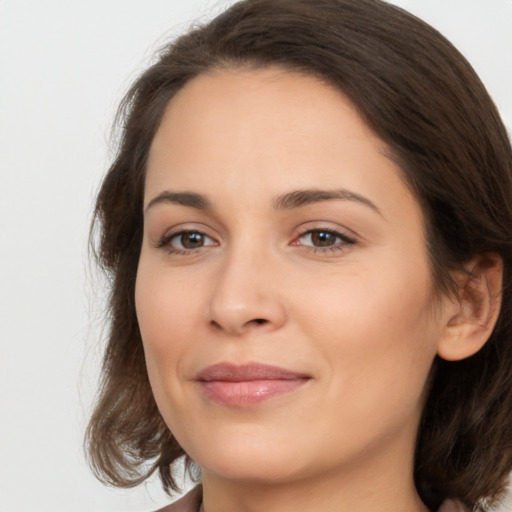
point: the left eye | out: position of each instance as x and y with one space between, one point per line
323 238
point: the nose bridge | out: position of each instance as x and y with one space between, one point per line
245 294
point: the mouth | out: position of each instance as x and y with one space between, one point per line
249 384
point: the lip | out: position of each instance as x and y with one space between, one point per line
248 384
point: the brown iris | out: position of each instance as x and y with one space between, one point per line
323 238
192 240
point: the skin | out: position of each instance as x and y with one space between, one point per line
356 316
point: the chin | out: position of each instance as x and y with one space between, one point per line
246 458
262 470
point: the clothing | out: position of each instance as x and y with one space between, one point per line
452 506
191 502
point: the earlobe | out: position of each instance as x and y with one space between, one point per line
471 316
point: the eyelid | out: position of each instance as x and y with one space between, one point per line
327 226
167 229
163 241
167 239
336 234
346 239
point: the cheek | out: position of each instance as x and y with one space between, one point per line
167 313
377 332
369 298
167 306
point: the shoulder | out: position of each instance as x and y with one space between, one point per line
188 503
452 506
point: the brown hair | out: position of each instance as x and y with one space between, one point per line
423 99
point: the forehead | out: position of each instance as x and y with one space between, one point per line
267 131
268 105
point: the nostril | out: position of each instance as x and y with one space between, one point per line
255 321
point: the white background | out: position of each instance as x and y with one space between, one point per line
64 65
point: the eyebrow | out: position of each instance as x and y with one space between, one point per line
190 199
299 198
288 201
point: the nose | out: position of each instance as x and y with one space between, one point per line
246 295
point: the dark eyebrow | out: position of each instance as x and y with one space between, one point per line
305 197
191 199
287 201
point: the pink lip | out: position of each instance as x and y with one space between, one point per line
248 384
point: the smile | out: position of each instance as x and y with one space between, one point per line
249 384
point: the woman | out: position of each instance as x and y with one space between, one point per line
308 230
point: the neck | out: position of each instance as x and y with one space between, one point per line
380 484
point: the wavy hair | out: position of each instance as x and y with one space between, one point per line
423 99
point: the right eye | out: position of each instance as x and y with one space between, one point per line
185 241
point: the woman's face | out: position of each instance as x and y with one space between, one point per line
283 291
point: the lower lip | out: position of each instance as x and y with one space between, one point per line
248 393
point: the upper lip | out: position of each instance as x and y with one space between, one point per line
230 372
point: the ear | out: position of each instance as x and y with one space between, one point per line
472 315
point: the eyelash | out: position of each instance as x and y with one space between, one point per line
166 242
335 248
